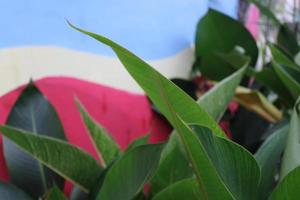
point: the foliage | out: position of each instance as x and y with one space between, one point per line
198 161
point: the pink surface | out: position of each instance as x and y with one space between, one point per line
126 116
252 22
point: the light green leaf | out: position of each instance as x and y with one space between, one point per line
288 189
68 161
11 192
216 100
291 156
107 148
268 156
236 167
32 112
184 189
138 142
291 84
56 194
166 96
127 176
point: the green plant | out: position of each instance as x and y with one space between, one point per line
197 162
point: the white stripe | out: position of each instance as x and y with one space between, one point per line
18 65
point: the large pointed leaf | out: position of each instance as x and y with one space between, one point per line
184 189
218 33
173 166
107 149
291 84
236 167
216 100
128 175
178 108
268 156
291 157
32 112
166 96
56 194
68 161
11 192
288 189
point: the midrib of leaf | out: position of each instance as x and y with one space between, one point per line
180 131
34 129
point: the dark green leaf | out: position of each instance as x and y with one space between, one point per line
288 189
218 33
11 192
184 189
216 100
128 175
291 157
107 148
268 155
68 161
269 78
291 84
287 40
281 58
32 112
56 194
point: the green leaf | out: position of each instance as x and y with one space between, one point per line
56 194
32 112
265 11
107 148
288 189
268 155
291 157
216 100
291 84
184 189
218 33
11 192
269 78
166 96
173 166
170 100
138 142
281 58
128 175
68 161
287 40
236 167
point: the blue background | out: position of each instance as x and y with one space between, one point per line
152 29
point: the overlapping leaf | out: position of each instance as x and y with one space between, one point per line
32 112
68 161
